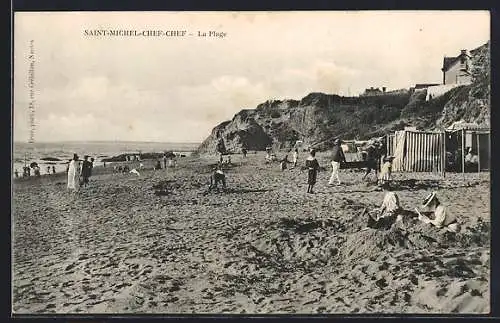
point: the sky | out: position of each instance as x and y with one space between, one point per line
176 89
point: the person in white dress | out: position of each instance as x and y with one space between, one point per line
74 170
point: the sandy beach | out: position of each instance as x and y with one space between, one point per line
264 246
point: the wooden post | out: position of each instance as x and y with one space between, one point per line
445 160
478 155
463 151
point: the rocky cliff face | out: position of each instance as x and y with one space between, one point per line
318 118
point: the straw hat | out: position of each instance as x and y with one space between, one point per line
429 199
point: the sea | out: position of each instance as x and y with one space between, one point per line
25 153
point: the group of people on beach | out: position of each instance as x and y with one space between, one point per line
36 171
79 172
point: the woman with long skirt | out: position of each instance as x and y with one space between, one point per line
74 170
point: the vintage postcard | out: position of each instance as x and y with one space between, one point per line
301 162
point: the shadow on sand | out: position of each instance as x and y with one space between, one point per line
246 190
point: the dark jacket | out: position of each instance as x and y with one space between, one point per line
338 154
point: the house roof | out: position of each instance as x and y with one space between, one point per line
449 61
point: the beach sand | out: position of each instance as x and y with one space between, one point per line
264 246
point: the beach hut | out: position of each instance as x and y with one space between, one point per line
417 151
462 137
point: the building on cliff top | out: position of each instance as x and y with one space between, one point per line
457 70
373 91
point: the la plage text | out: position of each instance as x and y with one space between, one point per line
152 33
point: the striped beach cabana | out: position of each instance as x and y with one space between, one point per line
463 136
417 151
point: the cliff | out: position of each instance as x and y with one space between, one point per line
318 118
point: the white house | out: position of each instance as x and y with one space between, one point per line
457 70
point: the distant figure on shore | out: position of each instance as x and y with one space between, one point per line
53 169
48 170
158 164
86 170
26 171
217 177
313 169
141 165
165 161
36 169
442 218
388 212
104 164
244 151
74 170
295 157
337 158
16 173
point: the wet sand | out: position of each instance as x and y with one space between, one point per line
264 246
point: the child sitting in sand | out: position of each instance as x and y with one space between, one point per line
442 218
388 213
313 169
217 177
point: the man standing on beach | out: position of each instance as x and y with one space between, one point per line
86 170
337 158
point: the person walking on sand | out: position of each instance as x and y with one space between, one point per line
53 169
295 157
337 157
313 169
165 161
442 218
48 170
244 151
74 170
